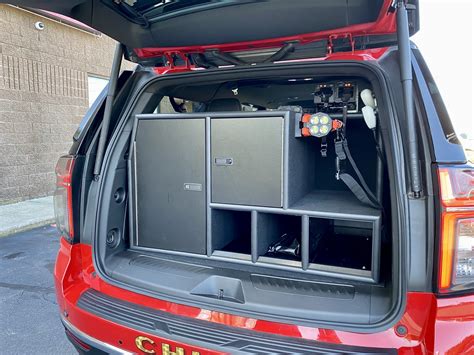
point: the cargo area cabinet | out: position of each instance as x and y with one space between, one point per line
230 184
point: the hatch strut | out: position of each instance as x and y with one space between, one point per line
111 90
404 51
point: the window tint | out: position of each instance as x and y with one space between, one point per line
437 100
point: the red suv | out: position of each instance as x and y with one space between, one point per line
273 177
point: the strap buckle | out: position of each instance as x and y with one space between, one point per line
324 148
339 149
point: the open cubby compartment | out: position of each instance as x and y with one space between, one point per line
231 233
345 246
337 235
273 228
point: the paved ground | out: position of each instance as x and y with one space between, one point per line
29 318
26 215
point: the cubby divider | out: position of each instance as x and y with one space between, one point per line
305 241
254 239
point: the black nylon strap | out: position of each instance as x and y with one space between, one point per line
357 190
359 175
363 192
338 147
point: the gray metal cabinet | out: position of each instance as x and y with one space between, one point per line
170 185
247 161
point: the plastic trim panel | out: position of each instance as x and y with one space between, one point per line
206 334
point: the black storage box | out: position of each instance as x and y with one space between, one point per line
232 185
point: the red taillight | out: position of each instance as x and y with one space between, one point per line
63 197
456 249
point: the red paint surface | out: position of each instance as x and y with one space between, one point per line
385 24
434 325
366 55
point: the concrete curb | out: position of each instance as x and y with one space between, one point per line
26 227
25 215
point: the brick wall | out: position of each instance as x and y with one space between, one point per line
43 96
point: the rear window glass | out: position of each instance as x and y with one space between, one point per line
443 115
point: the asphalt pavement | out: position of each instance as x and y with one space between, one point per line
29 317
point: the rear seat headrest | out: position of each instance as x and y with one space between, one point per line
220 105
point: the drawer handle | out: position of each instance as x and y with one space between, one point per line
223 161
192 186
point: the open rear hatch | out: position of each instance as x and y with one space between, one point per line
157 32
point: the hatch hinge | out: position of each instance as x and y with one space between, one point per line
177 61
342 39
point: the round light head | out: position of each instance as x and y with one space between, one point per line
320 124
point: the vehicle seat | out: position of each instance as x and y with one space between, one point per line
221 105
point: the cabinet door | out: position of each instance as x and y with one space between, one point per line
170 184
247 161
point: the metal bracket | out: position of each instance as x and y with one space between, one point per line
324 147
171 61
332 38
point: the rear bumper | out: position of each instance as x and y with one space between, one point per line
160 328
85 344
107 317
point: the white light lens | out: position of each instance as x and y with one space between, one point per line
464 259
324 129
314 130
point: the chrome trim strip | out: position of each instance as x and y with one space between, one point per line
460 209
92 341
